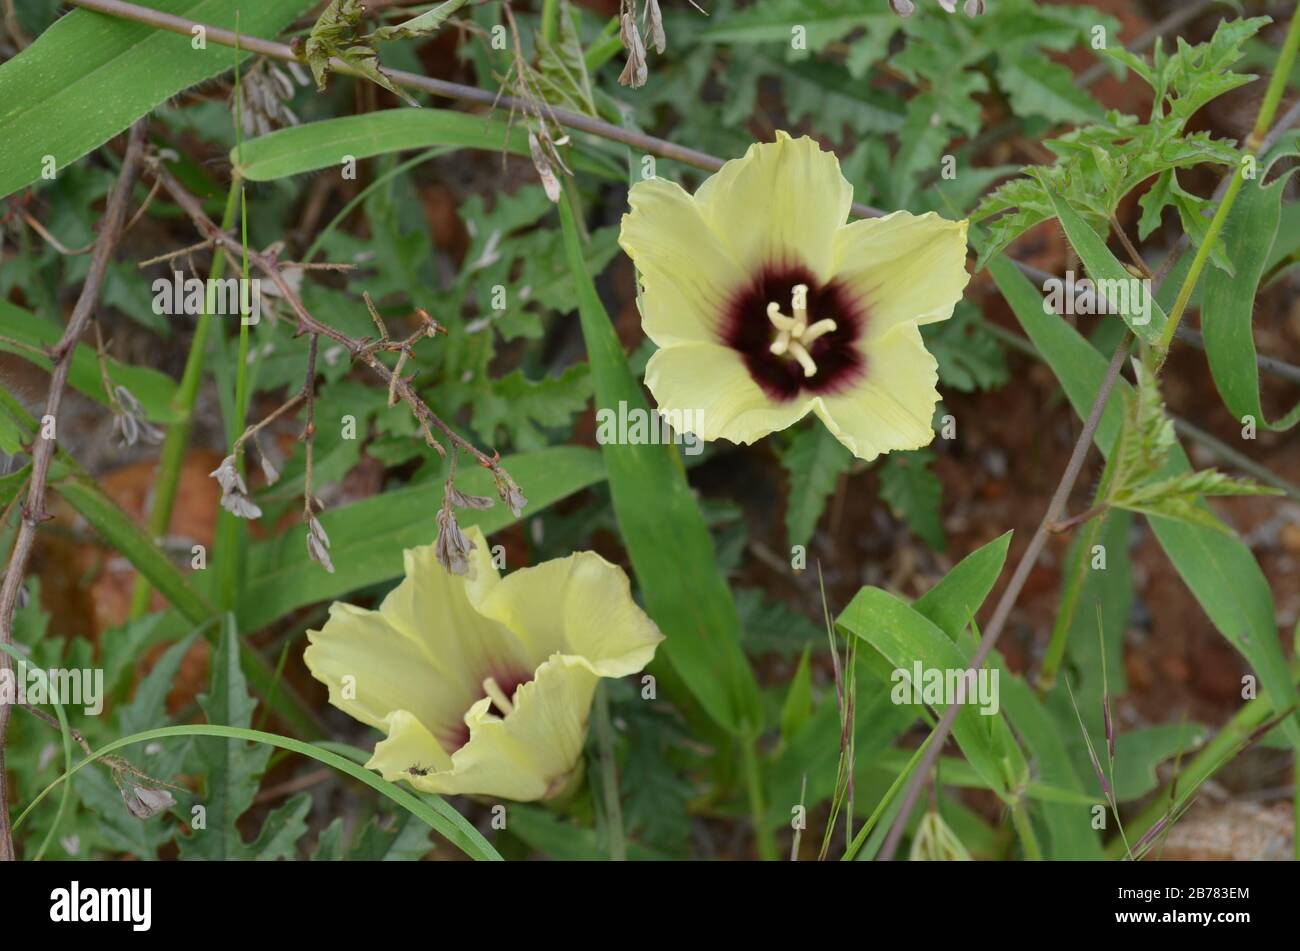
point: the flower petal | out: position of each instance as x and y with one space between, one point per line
372 669
580 605
906 268
408 744
433 607
892 405
709 385
533 753
783 201
686 271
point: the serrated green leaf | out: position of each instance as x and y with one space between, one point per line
1036 86
814 461
522 408
231 769
422 25
914 494
561 73
282 830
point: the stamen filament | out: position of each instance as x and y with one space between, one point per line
794 335
797 351
498 696
819 329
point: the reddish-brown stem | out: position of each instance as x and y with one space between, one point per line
33 512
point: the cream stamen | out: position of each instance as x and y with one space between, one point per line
794 335
498 696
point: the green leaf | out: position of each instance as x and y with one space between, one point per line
1194 74
90 75
1228 304
561 76
797 709
952 602
1036 86
823 22
405 839
1145 443
281 831
565 841
1140 310
1068 817
969 357
11 443
314 145
818 90
368 536
422 25
1219 569
522 408
902 636
664 532
126 537
770 625
154 390
1097 167
1192 213
814 460
232 770
914 494
335 34
430 809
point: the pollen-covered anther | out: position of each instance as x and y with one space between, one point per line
794 334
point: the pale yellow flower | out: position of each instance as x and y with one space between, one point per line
483 683
767 303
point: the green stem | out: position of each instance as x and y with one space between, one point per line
231 532
1198 264
1268 109
178 434
609 777
1025 830
757 811
1277 83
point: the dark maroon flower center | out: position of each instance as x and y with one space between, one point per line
507 682
750 328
